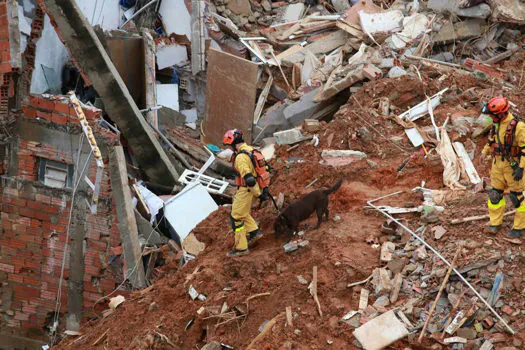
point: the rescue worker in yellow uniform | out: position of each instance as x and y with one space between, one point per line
506 145
248 190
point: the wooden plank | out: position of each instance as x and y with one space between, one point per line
231 91
363 299
262 100
467 164
142 207
289 317
313 291
120 50
153 256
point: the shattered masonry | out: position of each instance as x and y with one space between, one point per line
385 95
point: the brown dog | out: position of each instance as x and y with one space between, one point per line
288 221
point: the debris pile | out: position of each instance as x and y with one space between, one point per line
384 94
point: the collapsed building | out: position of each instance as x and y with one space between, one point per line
111 114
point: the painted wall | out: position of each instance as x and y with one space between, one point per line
51 55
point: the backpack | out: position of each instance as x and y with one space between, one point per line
262 168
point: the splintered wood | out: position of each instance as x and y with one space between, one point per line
313 291
289 317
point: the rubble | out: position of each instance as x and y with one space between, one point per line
383 94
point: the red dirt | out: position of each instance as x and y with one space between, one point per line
338 249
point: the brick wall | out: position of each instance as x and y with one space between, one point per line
7 85
34 222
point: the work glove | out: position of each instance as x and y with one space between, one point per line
250 181
264 195
517 173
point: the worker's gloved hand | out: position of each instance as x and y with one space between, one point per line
250 181
264 195
517 173
486 158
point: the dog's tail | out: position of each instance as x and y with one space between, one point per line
335 188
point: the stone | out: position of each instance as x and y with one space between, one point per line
336 218
468 333
396 265
507 309
408 269
297 332
153 307
302 280
396 72
382 301
480 11
381 281
212 346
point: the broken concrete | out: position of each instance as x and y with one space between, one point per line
127 223
82 42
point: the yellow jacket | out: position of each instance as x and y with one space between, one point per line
243 165
519 137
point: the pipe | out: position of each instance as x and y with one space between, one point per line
138 12
509 329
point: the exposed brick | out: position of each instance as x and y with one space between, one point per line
7 268
26 293
35 205
14 277
33 281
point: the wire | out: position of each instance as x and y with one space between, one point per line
134 267
76 181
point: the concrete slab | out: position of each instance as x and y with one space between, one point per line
381 331
303 109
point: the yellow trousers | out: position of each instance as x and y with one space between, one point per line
242 219
502 179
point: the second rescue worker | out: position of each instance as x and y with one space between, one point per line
506 144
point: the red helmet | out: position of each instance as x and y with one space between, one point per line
497 106
232 137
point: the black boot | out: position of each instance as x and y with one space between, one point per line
494 229
235 253
254 236
516 233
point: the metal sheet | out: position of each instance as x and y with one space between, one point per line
230 95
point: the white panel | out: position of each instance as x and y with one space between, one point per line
187 209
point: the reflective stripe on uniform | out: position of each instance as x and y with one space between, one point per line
498 205
521 208
239 228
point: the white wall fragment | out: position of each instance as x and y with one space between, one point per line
168 95
170 55
175 17
107 13
50 57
